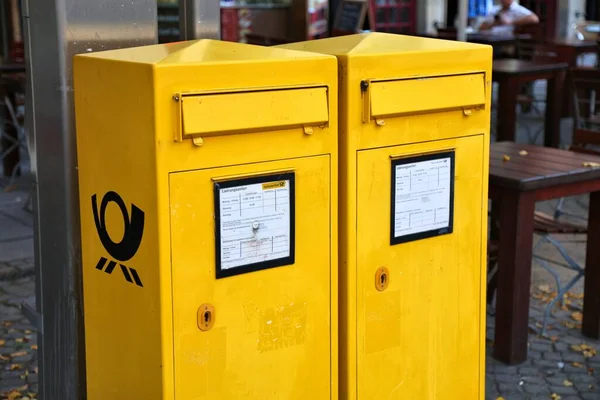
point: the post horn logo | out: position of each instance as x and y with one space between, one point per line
130 243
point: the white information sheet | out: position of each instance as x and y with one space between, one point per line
422 196
255 223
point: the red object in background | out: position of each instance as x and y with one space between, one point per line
317 25
393 16
229 24
17 53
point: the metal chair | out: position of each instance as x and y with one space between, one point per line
585 83
531 47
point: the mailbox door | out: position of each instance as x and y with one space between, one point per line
268 334
419 328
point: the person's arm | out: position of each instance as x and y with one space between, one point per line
488 24
527 20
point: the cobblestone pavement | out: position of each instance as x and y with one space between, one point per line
18 339
562 365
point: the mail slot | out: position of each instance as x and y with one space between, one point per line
208 192
414 133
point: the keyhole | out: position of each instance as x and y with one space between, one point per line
206 317
382 279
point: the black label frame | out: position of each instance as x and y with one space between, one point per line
279 262
433 232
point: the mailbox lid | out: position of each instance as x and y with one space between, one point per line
423 335
214 114
426 94
273 334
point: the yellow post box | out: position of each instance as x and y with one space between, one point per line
414 144
208 193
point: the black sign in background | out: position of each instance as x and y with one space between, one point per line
433 232
350 16
278 262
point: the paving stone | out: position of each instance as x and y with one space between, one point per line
541 346
536 389
32 378
529 371
590 396
587 387
507 378
506 369
563 390
9 384
534 380
23 359
552 356
582 378
570 356
509 388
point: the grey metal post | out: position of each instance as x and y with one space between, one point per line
463 6
199 19
54 31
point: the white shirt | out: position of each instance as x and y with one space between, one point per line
514 12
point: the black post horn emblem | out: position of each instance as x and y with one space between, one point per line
132 237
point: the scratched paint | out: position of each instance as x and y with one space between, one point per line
282 327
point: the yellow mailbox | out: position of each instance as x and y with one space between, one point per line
414 144
208 193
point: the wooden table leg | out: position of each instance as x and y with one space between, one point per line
569 55
591 300
507 113
514 276
553 109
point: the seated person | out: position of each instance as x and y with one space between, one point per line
506 16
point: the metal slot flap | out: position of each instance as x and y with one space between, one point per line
410 96
226 113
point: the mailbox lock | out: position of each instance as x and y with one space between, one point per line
206 317
382 278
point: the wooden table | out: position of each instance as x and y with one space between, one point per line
510 75
568 50
515 186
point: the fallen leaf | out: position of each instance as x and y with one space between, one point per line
7 324
14 367
554 339
4 358
13 395
591 371
576 347
505 158
577 364
19 340
591 164
523 153
538 324
569 324
19 354
567 383
591 387
555 396
588 354
544 288
577 316
28 332
2 342
500 398
34 347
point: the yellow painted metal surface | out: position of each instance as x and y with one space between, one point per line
164 319
210 114
412 314
426 94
